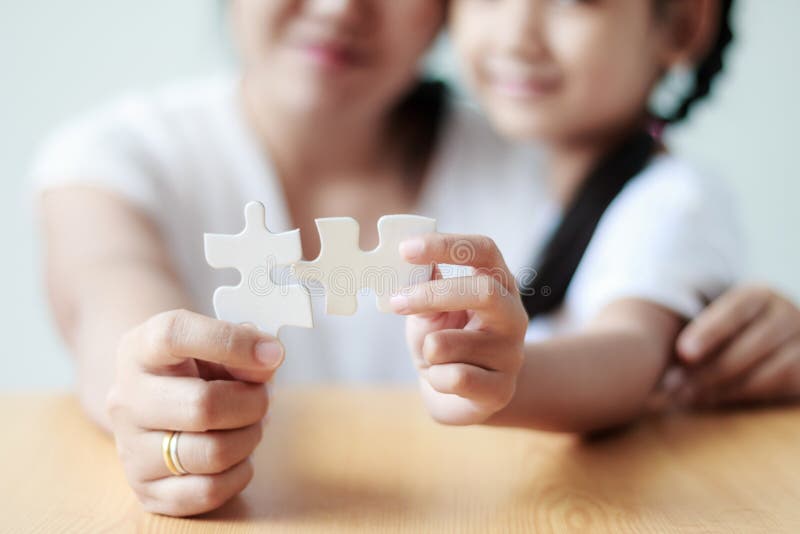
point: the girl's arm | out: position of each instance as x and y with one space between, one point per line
597 379
466 337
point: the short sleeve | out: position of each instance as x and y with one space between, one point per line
114 148
672 237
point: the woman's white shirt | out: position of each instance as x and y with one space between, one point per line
186 156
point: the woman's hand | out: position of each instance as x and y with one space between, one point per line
745 347
466 334
181 371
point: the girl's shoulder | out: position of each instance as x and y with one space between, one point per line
674 182
672 237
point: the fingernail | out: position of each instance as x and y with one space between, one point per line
399 303
269 353
412 248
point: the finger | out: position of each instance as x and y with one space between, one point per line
194 405
170 338
480 293
759 340
723 319
777 379
419 326
476 251
195 494
488 388
481 349
200 453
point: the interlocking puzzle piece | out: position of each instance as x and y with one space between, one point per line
344 269
254 253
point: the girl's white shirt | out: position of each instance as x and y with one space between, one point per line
186 156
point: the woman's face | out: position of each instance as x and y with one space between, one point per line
341 55
560 69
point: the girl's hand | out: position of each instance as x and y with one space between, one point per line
745 347
181 371
466 334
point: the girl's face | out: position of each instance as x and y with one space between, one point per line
561 69
318 55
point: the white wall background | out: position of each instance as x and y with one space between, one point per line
59 58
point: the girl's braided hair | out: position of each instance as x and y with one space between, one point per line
710 67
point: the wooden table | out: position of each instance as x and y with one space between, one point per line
372 461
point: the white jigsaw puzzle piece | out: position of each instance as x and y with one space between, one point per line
255 252
344 269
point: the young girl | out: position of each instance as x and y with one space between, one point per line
576 78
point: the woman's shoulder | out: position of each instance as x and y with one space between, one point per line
135 143
149 111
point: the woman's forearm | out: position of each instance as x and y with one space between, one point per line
115 301
108 269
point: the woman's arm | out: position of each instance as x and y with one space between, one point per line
147 368
107 271
744 348
594 380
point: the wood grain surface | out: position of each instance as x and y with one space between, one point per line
371 460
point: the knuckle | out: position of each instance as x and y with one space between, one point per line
461 380
130 460
211 493
151 503
114 404
153 506
228 339
435 347
203 407
164 330
488 248
755 296
218 453
486 244
489 294
429 294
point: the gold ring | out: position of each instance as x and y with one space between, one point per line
169 451
173 454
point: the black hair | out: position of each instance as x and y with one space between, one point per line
416 126
710 67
